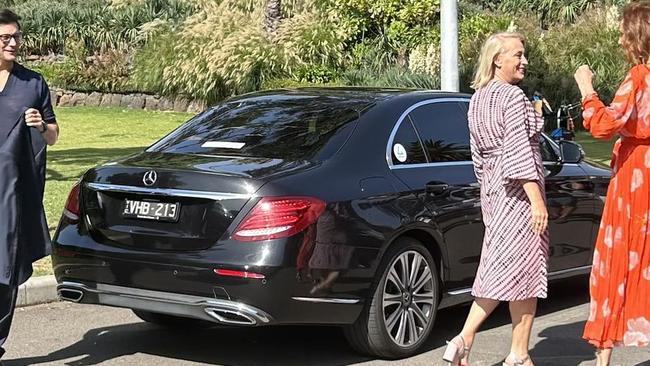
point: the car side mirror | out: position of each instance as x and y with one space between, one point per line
571 152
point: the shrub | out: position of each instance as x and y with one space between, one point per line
284 83
211 49
425 59
555 55
98 26
404 22
554 12
394 77
150 61
107 72
225 51
316 74
375 54
312 38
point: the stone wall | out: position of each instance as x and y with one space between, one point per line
67 98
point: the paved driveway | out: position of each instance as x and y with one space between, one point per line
72 334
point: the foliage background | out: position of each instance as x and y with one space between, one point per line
212 49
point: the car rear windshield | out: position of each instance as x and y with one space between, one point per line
284 127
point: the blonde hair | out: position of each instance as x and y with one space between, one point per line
493 47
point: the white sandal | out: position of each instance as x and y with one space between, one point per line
512 360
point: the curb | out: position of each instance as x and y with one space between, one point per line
37 290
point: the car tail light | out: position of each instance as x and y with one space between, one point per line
242 274
279 217
71 208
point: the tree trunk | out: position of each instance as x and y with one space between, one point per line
272 17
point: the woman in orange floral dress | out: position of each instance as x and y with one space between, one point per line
620 277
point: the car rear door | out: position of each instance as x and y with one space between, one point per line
444 180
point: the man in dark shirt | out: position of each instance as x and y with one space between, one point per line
24 97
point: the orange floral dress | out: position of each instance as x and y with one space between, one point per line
620 276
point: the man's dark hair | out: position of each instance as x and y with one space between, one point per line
8 17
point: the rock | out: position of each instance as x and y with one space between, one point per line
165 104
181 104
151 103
137 102
126 100
78 99
54 97
195 107
65 99
106 100
116 100
68 98
94 99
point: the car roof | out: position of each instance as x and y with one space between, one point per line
356 97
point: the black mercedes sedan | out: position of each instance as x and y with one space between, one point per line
343 206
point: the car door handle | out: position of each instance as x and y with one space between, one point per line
436 188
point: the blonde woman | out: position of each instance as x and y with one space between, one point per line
504 133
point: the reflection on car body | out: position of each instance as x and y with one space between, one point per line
351 207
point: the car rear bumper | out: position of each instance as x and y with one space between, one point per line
214 310
283 293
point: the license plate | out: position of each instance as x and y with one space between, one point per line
159 211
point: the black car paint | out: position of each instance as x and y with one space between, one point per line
368 201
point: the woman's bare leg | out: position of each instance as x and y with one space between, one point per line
603 356
478 313
523 314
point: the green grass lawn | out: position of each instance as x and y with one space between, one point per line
91 136
596 150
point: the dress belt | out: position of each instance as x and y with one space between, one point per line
491 152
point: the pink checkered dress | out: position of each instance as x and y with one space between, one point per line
504 134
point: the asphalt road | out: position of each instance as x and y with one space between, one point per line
72 334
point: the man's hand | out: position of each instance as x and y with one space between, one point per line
34 119
49 131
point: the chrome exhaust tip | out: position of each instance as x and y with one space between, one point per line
221 311
70 294
232 317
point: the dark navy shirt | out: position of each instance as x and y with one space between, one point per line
24 89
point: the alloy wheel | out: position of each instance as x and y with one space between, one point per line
408 298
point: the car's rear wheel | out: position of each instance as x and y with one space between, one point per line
402 310
170 321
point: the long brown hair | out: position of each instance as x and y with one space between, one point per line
636 32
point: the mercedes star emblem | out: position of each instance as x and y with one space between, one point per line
150 178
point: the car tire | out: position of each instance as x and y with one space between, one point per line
376 332
170 321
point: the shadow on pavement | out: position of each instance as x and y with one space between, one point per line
291 345
304 345
562 345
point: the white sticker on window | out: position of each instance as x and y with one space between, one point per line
400 152
223 144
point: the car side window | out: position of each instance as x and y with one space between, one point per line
406 148
444 131
548 153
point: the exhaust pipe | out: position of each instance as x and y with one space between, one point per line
226 316
70 294
206 308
